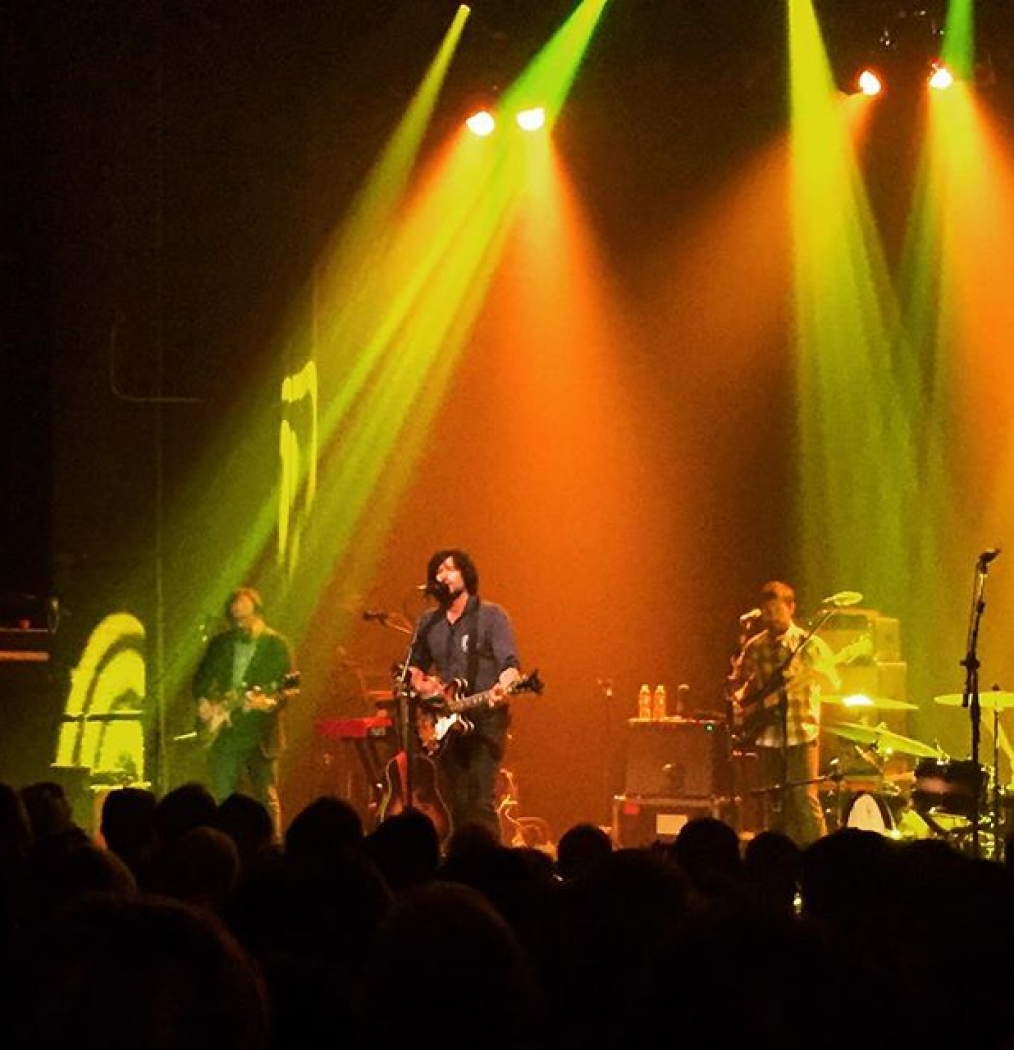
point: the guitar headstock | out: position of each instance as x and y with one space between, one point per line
529 683
862 646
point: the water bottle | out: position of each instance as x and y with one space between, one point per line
644 702
658 703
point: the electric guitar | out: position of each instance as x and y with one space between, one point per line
214 717
754 713
440 716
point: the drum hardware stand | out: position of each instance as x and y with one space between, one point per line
836 776
998 843
778 790
971 666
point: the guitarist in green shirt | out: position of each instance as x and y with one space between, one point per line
244 681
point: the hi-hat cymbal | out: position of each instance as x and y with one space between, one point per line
881 738
992 700
866 703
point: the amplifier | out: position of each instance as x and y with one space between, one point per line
643 821
677 758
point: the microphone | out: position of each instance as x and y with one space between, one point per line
840 599
751 614
436 590
987 556
376 614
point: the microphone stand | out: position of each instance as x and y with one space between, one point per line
406 723
783 700
776 683
970 700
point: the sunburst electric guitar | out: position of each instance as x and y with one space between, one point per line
213 717
445 714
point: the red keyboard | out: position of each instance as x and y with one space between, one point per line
355 728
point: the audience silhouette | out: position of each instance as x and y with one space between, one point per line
184 923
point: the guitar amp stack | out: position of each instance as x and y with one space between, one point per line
676 769
878 673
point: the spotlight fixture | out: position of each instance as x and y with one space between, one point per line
869 82
531 119
481 123
899 54
940 78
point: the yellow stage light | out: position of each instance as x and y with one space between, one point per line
869 82
481 123
940 77
531 119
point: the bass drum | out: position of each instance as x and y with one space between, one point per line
870 812
889 813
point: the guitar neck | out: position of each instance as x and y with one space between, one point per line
274 690
466 703
528 684
804 677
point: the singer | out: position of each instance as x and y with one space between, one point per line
776 682
472 640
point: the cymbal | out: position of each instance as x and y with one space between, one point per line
992 700
881 738
866 703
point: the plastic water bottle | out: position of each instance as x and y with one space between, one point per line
658 703
644 702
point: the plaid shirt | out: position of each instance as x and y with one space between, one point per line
755 666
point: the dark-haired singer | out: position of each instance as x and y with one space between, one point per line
473 640
242 685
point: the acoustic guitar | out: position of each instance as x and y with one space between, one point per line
425 792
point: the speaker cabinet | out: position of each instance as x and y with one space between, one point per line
677 758
31 707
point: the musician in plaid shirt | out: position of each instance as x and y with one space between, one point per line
776 687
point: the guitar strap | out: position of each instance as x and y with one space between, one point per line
473 645
472 633
242 656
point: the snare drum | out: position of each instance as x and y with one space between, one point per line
949 787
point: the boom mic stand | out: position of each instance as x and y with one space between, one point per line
406 722
970 663
783 704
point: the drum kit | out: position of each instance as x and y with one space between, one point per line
958 800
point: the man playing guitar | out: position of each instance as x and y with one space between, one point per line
472 642
242 685
775 686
